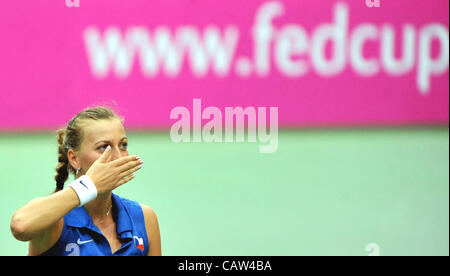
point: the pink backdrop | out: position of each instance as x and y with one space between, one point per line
322 63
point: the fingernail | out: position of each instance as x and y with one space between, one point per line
140 166
133 175
137 157
141 162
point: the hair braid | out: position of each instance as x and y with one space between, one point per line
62 172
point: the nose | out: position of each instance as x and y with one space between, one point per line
115 154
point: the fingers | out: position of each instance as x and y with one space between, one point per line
125 179
130 169
124 160
129 165
105 155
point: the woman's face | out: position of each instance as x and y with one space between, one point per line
97 135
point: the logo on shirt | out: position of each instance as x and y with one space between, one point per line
80 242
139 242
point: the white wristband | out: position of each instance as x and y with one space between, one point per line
85 189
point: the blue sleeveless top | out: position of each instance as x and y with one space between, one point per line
80 236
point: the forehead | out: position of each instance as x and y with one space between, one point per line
94 131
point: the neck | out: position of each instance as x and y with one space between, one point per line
100 207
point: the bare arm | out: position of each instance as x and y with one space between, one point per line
40 220
152 227
39 214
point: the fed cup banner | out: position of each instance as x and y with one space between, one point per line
319 62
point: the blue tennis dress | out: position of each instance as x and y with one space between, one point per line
80 236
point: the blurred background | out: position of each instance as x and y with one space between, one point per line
361 89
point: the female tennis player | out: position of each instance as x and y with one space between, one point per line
86 218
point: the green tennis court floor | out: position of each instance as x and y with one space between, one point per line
324 192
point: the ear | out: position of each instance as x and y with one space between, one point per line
74 162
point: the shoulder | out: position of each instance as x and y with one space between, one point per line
152 228
148 212
149 215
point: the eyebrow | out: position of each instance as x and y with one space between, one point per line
125 137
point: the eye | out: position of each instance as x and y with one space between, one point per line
103 147
124 145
